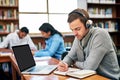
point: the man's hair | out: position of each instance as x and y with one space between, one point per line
24 29
78 14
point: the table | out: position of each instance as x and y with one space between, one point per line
52 76
8 58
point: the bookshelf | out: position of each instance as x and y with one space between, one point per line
8 17
106 14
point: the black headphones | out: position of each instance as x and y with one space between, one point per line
88 22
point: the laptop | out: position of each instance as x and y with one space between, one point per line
26 62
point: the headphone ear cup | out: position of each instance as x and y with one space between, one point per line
89 23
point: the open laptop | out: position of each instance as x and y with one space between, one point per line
26 62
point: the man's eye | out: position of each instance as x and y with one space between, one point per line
77 29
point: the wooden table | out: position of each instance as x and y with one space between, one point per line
8 58
52 76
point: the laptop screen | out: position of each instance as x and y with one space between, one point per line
23 57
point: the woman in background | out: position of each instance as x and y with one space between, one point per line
54 42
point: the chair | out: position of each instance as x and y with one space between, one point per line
64 54
118 56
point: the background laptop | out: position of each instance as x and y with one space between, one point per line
26 62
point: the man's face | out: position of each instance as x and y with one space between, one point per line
78 29
22 35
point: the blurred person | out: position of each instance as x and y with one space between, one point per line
54 42
19 37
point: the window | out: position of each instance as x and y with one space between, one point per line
32 21
36 12
32 6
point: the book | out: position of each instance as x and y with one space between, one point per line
76 73
5 54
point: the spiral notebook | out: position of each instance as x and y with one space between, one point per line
26 62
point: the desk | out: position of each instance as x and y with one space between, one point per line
42 77
57 77
8 58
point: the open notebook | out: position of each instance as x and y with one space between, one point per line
75 72
26 62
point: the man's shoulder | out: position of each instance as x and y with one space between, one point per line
12 34
28 36
100 30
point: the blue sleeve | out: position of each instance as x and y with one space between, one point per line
50 49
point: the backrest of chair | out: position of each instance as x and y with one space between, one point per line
64 54
118 57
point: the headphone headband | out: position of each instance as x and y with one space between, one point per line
88 23
80 13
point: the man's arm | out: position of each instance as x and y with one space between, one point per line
4 44
5 50
6 41
31 44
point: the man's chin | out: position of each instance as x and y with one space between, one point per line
79 38
21 37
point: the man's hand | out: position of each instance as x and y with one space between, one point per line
62 66
33 51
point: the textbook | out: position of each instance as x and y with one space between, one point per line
77 73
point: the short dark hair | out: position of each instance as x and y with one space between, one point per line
80 14
24 29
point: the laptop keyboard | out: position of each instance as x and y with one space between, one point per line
45 68
36 69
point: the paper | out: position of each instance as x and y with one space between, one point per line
5 53
81 73
64 73
42 58
72 79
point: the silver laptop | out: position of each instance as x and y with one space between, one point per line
26 62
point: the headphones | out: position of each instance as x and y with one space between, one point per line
88 22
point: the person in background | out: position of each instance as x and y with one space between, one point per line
54 42
92 49
19 37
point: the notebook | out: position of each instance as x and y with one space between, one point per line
76 73
26 62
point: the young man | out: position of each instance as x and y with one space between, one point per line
17 38
92 48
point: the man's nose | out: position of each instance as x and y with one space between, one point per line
75 32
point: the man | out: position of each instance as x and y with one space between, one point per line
17 38
92 48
